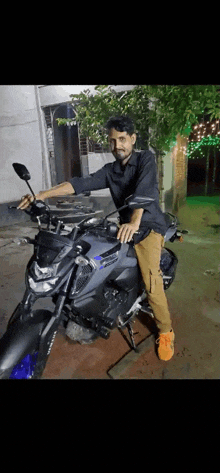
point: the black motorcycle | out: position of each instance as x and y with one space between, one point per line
93 279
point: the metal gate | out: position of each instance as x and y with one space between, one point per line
86 145
48 115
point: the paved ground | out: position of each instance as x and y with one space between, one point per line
193 300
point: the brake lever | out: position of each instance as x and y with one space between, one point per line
14 207
24 240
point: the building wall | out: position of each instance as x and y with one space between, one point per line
20 140
55 94
96 161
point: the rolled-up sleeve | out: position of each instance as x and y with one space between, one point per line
95 181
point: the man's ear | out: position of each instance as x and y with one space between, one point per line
133 138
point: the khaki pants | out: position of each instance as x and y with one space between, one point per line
149 253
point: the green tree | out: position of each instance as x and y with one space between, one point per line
160 112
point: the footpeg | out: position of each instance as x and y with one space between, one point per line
147 310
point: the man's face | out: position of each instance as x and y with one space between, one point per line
121 144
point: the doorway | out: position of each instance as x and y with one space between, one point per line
66 144
63 144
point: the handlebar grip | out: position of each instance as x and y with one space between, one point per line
14 207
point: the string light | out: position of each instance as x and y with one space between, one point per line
203 132
197 149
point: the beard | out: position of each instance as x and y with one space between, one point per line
120 155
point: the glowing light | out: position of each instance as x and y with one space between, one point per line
196 149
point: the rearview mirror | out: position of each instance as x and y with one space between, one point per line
137 202
24 174
21 171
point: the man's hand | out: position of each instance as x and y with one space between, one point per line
126 232
28 199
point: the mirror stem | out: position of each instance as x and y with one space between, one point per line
30 189
117 210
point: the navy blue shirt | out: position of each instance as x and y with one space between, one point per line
137 178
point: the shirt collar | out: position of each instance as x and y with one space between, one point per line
132 162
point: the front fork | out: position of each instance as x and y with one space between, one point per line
24 311
49 333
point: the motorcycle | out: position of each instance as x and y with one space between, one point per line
93 279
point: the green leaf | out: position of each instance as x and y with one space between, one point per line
173 109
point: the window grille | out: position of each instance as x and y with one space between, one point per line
48 115
87 145
97 148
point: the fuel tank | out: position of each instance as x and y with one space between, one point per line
107 259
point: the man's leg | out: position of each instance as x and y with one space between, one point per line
149 253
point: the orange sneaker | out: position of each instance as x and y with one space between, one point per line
165 344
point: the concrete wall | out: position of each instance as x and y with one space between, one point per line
55 94
20 140
101 199
96 161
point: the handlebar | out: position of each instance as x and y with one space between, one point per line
41 213
39 210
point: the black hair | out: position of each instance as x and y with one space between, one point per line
121 123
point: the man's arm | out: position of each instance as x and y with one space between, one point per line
77 185
65 188
147 177
127 230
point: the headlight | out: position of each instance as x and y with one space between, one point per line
41 286
43 273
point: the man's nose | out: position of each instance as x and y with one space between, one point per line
118 144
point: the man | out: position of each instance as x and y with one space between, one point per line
132 173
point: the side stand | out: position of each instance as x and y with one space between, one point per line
131 334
